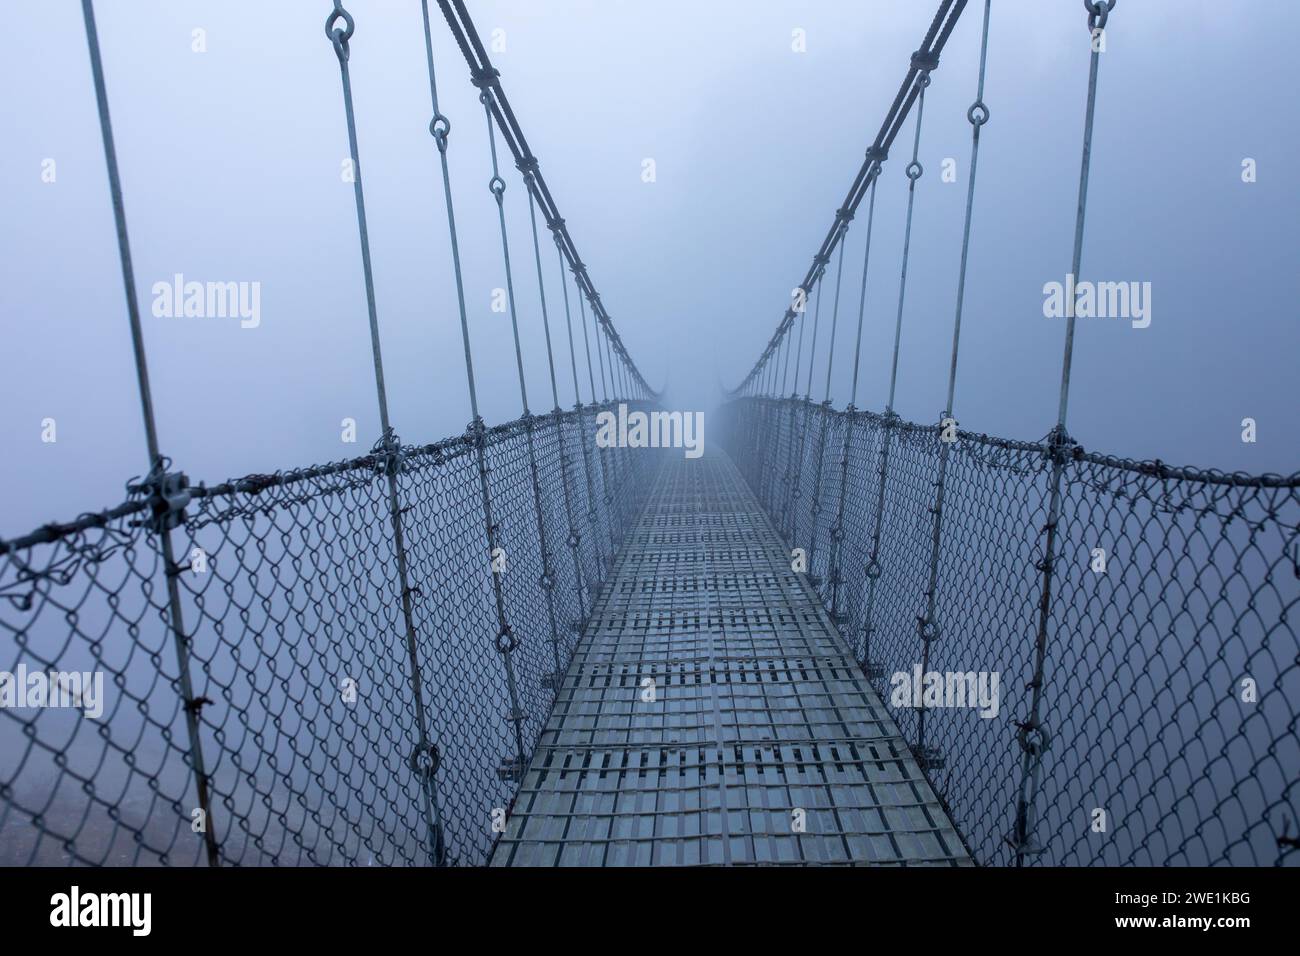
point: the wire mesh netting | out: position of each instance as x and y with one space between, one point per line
292 615
1172 667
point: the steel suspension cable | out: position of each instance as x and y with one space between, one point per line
812 348
835 309
600 357
862 293
600 455
592 518
977 116
790 477
615 386
806 405
546 583
780 411
586 344
497 186
165 489
425 759
574 539
775 410
482 71
506 642
785 370
825 409
837 529
913 172
925 59
1033 736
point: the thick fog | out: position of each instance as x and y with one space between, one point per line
232 157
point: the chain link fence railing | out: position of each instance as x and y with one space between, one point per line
1167 731
291 610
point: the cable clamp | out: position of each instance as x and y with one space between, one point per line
168 494
475 433
1060 448
925 61
387 454
484 77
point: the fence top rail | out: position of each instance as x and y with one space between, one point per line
1074 452
434 454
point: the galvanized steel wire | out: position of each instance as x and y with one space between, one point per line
360 663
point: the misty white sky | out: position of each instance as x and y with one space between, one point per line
231 171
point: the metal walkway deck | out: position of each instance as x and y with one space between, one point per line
711 708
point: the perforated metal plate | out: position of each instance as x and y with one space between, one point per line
712 715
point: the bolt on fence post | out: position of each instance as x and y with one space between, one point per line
167 490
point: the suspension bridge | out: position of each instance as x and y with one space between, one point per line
652 659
